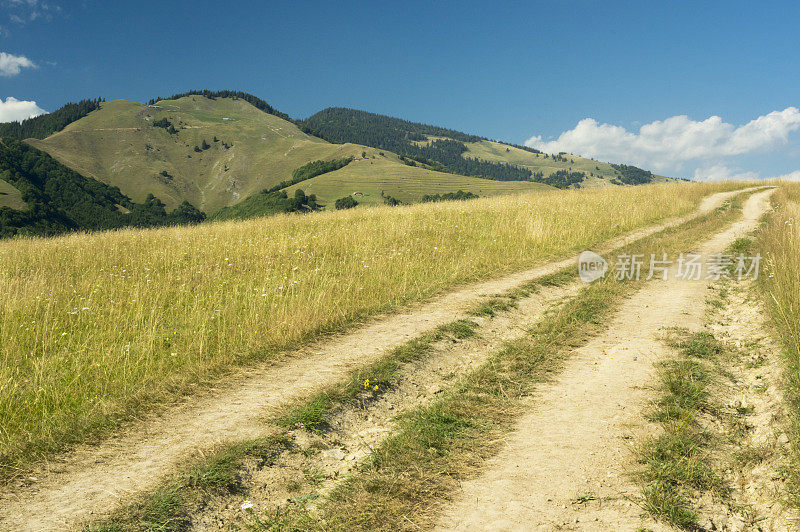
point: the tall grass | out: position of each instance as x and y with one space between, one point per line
95 327
779 243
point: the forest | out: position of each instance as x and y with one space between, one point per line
448 153
340 125
268 202
447 196
60 199
312 169
45 125
563 179
631 175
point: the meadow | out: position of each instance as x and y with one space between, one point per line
407 184
95 328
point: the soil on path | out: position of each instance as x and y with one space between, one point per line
95 479
567 464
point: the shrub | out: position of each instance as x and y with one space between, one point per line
347 202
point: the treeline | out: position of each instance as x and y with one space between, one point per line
631 175
340 125
521 147
312 169
45 125
447 196
267 203
562 179
59 199
255 101
448 153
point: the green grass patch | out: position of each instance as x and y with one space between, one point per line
684 382
169 507
560 278
367 384
701 345
491 307
744 246
667 501
677 466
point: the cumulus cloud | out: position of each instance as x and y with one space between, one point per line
13 110
668 145
10 64
791 176
720 172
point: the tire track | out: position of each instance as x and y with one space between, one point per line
567 463
97 478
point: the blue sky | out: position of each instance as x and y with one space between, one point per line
517 71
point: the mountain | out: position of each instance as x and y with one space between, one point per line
212 153
467 154
230 154
377 177
217 151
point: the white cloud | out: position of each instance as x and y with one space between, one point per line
791 176
720 172
667 145
13 110
10 64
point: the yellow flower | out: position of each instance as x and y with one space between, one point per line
366 383
376 386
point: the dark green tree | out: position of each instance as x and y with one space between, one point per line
347 202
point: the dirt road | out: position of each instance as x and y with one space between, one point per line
96 479
567 463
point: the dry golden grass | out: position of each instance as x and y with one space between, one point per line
779 243
93 328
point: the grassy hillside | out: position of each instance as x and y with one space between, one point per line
599 173
216 152
44 197
385 174
168 149
459 152
119 145
97 327
9 196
